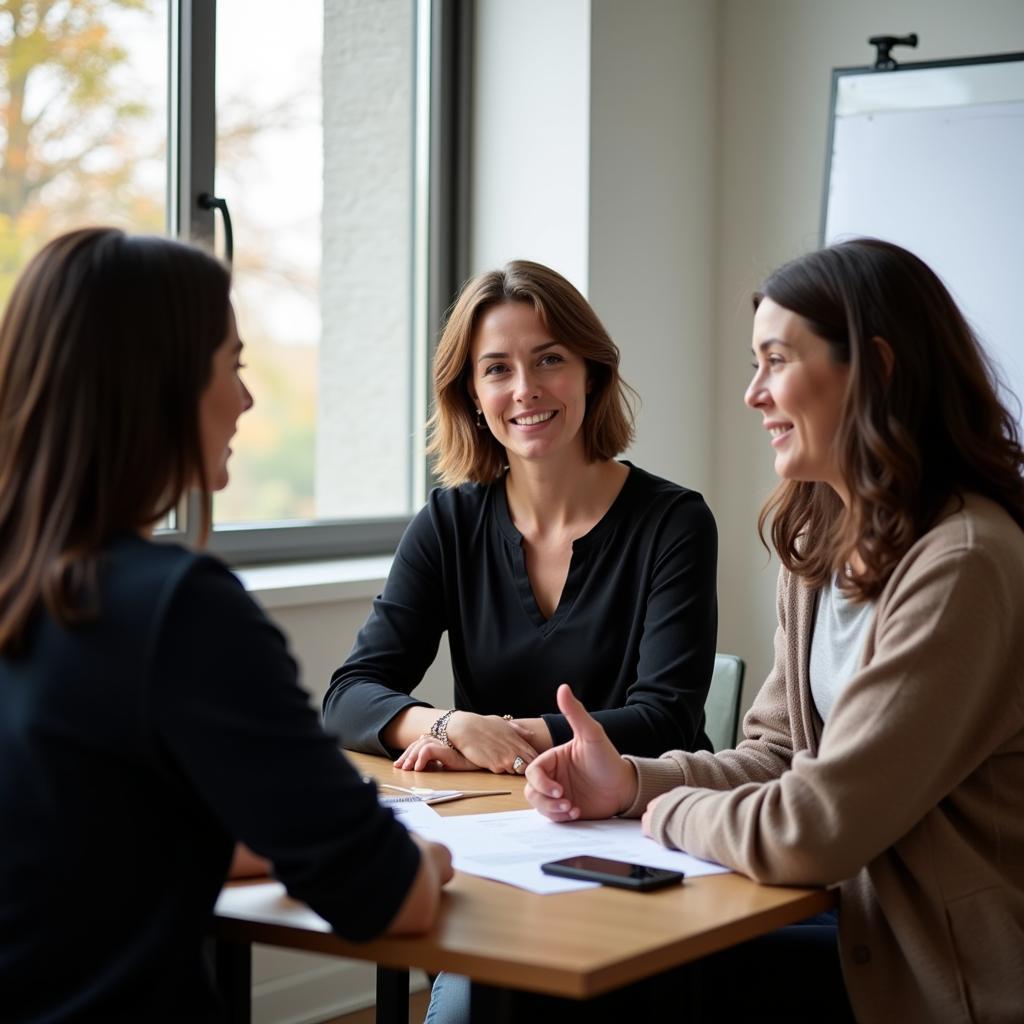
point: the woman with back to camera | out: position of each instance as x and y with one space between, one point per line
149 712
544 558
885 752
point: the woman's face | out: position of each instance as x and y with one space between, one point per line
531 389
223 400
799 390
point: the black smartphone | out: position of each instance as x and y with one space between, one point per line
612 872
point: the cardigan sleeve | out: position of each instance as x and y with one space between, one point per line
937 695
664 705
394 648
764 754
231 723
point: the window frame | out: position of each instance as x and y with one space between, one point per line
443 33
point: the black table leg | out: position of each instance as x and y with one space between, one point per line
490 1005
232 964
392 996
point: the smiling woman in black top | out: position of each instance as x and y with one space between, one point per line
544 558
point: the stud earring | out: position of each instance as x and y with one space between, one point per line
481 424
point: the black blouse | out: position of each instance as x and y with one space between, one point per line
134 751
633 634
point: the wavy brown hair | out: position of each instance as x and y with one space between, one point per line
463 453
912 436
106 345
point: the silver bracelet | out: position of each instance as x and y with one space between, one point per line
439 730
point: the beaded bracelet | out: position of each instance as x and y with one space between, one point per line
439 730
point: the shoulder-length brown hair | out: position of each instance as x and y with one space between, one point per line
106 345
913 435
463 453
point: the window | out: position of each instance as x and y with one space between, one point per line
83 122
331 130
334 135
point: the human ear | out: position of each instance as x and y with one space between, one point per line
885 353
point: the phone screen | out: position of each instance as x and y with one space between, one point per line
618 868
612 872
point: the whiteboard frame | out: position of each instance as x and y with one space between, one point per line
839 73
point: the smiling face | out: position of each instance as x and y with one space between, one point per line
223 400
531 389
798 388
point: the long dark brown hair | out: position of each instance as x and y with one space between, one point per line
463 453
913 435
105 348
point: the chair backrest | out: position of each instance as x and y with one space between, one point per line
722 708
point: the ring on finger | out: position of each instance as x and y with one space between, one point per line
518 766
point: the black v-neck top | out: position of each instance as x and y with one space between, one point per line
633 634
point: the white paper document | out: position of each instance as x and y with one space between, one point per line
510 846
415 815
267 901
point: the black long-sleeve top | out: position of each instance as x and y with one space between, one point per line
134 751
633 634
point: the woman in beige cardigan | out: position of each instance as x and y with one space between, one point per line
884 754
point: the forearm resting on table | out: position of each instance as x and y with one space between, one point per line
408 725
418 909
411 723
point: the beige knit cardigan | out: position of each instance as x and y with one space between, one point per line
911 799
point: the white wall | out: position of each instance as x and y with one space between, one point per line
775 67
594 142
652 231
531 97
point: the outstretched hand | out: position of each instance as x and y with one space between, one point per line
584 778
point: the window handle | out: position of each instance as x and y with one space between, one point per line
212 202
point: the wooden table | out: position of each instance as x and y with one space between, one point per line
578 944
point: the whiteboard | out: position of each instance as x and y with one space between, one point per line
931 157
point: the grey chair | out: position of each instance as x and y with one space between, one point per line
722 708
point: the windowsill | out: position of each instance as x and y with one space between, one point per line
304 583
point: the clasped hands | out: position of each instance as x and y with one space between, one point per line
479 741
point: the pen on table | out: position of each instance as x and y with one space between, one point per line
427 790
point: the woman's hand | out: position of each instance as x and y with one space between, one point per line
246 864
490 742
645 821
426 753
584 778
440 858
419 908
535 731
480 741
